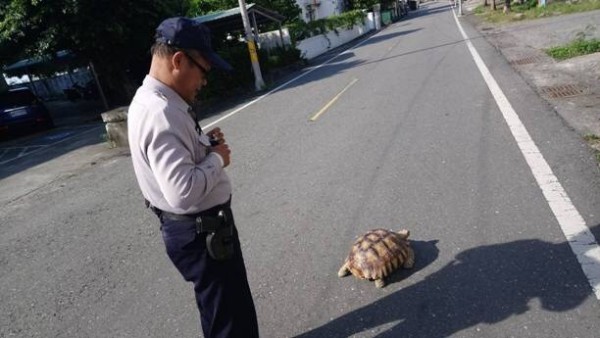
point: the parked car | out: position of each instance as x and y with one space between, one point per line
22 112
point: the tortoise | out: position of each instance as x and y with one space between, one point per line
377 253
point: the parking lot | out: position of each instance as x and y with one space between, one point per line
13 150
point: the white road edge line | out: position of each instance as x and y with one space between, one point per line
287 83
579 236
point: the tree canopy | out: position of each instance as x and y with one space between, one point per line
368 4
287 8
115 35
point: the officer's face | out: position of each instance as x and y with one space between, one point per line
196 68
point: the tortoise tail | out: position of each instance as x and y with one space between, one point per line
344 270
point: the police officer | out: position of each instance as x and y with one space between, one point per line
180 171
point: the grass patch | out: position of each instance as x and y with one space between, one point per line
594 142
530 10
575 48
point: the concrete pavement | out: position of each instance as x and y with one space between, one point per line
51 162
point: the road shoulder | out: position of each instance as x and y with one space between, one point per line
572 86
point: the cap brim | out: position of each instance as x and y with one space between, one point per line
217 62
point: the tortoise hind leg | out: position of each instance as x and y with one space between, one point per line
379 283
344 270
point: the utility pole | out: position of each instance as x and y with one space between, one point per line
104 102
460 13
258 80
3 84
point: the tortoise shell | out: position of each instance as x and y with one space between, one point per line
378 253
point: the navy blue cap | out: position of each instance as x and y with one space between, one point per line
186 33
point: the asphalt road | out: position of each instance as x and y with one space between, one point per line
411 138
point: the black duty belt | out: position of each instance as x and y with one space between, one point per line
216 223
207 221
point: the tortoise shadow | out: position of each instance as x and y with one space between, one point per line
426 252
486 284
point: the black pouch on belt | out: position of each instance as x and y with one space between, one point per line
219 230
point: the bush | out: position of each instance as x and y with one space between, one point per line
222 84
280 56
529 4
302 30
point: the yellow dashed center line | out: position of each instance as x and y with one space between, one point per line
330 103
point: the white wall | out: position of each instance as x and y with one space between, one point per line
53 86
317 45
269 40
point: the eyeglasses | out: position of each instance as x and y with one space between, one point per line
204 70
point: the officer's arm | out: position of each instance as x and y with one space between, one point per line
182 182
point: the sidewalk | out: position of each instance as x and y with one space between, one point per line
572 86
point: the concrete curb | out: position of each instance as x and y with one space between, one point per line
116 127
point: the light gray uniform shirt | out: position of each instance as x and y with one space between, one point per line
171 161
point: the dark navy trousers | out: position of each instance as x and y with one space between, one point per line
221 287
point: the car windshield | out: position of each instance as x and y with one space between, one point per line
19 98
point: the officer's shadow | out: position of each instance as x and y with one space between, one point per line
486 284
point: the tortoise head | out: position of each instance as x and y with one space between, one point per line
403 233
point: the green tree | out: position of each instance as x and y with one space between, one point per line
368 4
287 8
362 4
202 7
506 6
114 34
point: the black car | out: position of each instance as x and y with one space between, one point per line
22 112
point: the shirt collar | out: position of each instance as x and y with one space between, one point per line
155 85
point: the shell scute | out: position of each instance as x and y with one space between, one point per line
378 253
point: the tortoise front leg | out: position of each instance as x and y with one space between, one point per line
379 283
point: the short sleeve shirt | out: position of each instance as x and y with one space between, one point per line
173 167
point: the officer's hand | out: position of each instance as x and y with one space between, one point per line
216 134
223 150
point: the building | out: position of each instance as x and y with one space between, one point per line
319 9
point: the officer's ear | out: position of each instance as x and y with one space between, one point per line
176 60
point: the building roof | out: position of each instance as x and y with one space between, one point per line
231 19
47 64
